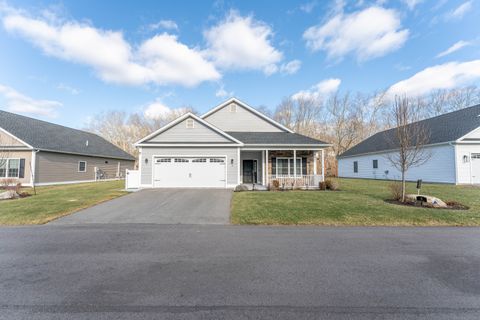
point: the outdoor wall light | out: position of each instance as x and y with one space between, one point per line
465 159
146 160
231 162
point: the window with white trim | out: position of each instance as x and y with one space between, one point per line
3 168
82 166
12 168
355 166
284 166
190 124
375 164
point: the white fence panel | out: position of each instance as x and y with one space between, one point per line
132 179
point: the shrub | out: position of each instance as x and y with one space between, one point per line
332 184
322 185
275 185
11 185
395 190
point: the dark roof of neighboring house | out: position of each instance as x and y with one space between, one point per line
444 128
53 137
275 138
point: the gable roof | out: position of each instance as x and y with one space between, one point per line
276 138
248 108
46 136
448 127
182 118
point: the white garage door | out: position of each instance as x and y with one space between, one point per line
189 172
476 168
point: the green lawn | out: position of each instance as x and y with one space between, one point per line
361 202
57 201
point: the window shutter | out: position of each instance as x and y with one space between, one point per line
21 172
274 166
304 166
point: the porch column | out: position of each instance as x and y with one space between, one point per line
266 168
315 157
294 166
263 167
323 164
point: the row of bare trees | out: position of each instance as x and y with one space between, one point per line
342 119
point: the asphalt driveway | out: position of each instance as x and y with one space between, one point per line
159 206
158 271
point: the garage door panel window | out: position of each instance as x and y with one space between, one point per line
181 160
199 160
164 160
217 160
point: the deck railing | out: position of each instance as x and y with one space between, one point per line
300 181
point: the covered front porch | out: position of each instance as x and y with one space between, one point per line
285 168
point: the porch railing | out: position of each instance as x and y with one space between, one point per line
300 181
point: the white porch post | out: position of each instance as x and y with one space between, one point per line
266 167
323 164
294 166
315 157
263 167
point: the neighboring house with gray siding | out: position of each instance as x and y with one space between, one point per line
231 144
453 146
42 153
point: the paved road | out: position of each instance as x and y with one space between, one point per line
230 272
164 206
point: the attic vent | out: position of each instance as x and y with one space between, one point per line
233 107
190 124
86 143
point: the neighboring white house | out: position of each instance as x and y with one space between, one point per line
454 145
229 145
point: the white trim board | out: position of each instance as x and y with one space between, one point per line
13 136
246 106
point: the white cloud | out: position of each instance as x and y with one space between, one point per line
157 110
160 60
309 6
67 88
291 67
222 93
443 76
461 10
164 24
457 46
242 43
369 33
321 89
20 103
411 4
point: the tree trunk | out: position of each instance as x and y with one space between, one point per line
403 185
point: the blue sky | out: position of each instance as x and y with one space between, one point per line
65 61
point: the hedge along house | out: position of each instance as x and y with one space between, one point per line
42 153
454 148
227 146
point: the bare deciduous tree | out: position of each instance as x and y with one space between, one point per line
408 137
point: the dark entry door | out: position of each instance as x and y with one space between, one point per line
249 171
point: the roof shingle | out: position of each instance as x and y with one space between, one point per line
53 137
444 128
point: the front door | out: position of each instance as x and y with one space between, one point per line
249 171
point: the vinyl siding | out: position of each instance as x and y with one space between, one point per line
439 168
9 141
241 120
463 168
149 152
58 167
180 133
27 155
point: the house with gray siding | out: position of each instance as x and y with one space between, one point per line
231 144
35 152
453 147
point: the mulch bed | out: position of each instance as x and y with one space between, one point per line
451 205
